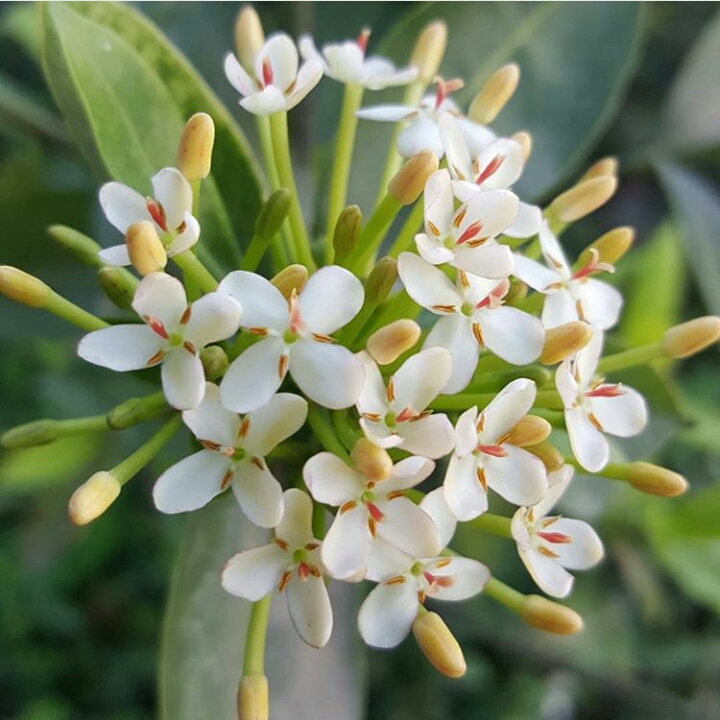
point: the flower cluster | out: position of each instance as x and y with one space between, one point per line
332 360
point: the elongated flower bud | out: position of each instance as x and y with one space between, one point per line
584 198
564 340
23 288
607 166
249 37
516 294
691 337
196 146
32 434
381 279
118 284
551 457
293 277
388 343
93 498
496 93
409 181
429 50
253 702
655 480
550 616
524 139
82 247
610 247
347 229
146 251
273 213
371 461
214 361
530 430
135 410
439 645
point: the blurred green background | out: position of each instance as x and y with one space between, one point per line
81 610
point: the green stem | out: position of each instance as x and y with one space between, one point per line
195 271
504 594
254 659
58 305
612 471
81 425
372 234
341 424
494 524
344 146
318 521
254 253
631 358
413 225
325 433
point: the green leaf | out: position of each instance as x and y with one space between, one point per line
695 207
19 23
126 93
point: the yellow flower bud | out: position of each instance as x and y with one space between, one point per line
293 277
691 337
439 645
371 461
496 93
409 181
93 498
550 616
253 701
530 430
429 50
607 166
523 139
23 288
146 251
388 343
249 37
564 340
655 480
610 247
196 146
586 197
551 457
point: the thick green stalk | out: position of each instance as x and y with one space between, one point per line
630 358
494 524
254 659
195 271
58 305
325 433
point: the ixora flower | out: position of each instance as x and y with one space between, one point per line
290 564
234 455
170 210
473 317
484 458
278 84
396 415
173 334
368 509
593 407
464 238
346 62
295 338
569 295
550 546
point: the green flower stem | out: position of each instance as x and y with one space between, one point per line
82 425
58 305
195 272
254 659
612 471
195 185
325 433
494 524
548 399
318 521
344 146
283 162
504 594
413 225
134 463
498 379
630 358
255 252
371 236
343 428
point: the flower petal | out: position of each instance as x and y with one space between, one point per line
463 493
406 474
421 377
174 194
162 297
534 274
372 397
211 421
236 75
388 613
431 436
386 561
421 135
624 415
280 51
308 77
258 493
495 209
468 578
586 549
433 250
519 477
183 379
120 347
122 205
262 303
558 482
213 317
117 256
282 416
330 480
454 333
255 573
187 238
310 610
559 308
488 261
600 303
346 547
408 528
387 113
436 507
511 334
476 136
527 223
506 409
466 434
588 444
456 149
331 298
547 572
266 102
296 525
439 204
566 384
553 252
427 285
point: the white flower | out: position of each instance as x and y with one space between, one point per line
396 415
234 455
569 295
473 317
422 133
388 612
346 62
368 509
593 407
174 333
550 546
295 338
278 85
465 238
291 564
484 459
497 166
170 210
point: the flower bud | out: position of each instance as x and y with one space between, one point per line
93 497
249 37
429 50
214 361
388 343
347 229
135 410
524 140
550 616
32 434
293 277
381 279
439 645
586 197
691 337
409 181
196 146
655 480
118 284
371 461
551 457
530 430
607 166
610 247
23 288
564 340
146 251
496 93
516 293
253 701
273 213
82 247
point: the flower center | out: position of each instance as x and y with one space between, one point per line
175 339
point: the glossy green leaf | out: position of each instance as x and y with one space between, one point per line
21 110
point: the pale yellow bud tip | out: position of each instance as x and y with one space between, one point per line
692 337
293 277
249 37
388 343
586 197
550 456
496 93
410 179
656 480
196 146
93 498
564 340
253 702
439 645
550 616
429 50
607 166
610 247
531 430
146 251
523 139
371 461
23 288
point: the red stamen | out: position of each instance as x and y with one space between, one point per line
303 571
445 88
157 213
557 538
267 73
295 320
406 414
471 231
493 450
492 167
593 266
375 512
157 327
363 38
606 391
494 298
